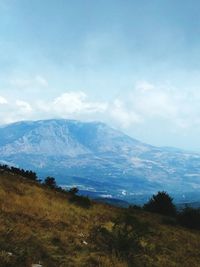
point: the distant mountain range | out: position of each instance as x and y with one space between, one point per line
97 158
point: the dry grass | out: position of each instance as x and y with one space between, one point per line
38 224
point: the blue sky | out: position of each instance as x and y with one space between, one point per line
133 64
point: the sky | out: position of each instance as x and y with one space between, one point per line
134 65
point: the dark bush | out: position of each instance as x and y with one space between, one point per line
73 190
189 217
50 182
170 221
27 174
81 201
161 203
134 207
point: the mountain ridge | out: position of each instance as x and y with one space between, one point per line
75 151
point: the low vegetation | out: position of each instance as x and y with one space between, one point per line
41 223
162 203
123 239
25 173
189 217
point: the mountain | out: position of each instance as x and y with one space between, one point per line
97 158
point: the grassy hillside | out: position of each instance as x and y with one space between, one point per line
39 224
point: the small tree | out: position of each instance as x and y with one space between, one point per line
50 182
73 190
161 203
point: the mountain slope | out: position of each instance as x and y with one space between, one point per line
41 225
97 158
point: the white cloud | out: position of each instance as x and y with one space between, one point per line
15 111
121 115
147 102
75 105
149 112
155 102
76 102
23 106
144 104
3 100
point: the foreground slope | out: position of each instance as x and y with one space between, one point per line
97 158
39 224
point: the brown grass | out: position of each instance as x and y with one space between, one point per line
39 224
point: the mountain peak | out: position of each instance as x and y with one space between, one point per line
95 154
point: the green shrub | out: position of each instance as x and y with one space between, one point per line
161 203
124 239
50 182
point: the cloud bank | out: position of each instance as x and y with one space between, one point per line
144 102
